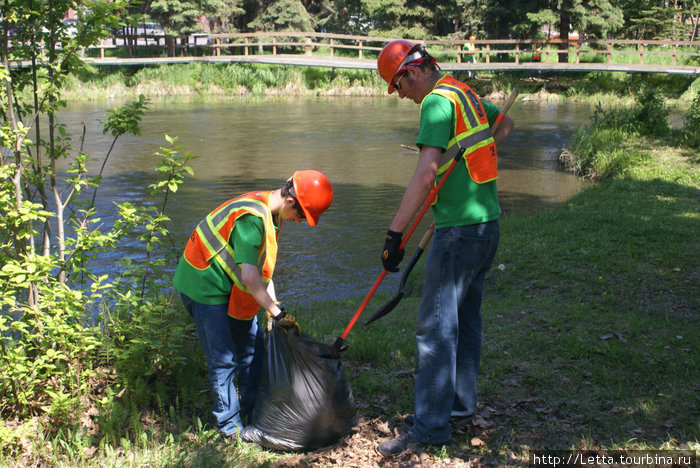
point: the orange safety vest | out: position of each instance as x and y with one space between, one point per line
472 133
470 46
210 241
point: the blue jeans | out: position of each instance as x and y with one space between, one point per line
448 337
234 350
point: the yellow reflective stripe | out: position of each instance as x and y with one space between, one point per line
476 137
219 247
470 102
216 247
469 140
223 214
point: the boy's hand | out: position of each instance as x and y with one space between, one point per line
288 321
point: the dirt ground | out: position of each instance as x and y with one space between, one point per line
359 449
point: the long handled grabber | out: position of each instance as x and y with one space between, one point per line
339 344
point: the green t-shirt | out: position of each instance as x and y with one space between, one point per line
461 201
212 285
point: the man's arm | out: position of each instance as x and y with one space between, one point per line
503 130
418 187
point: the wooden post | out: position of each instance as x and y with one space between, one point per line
307 47
517 52
488 55
245 48
641 54
610 50
673 57
578 52
274 45
331 47
102 48
459 53
360 51
217 42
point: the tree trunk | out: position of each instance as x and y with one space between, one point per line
170 45
564 23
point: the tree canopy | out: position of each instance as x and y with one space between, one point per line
431 19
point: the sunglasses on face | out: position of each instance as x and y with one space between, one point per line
397 86
300 211
297 205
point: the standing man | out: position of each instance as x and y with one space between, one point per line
471 55
466 212
225 276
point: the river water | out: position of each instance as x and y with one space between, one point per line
357 142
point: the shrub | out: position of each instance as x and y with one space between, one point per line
648 117
690 134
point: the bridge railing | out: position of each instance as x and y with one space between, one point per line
484 50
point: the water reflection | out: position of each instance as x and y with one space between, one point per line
247 145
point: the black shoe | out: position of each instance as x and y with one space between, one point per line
398 445
460 424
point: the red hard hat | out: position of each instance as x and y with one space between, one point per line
314 192
391 58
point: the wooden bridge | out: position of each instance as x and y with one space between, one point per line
360 52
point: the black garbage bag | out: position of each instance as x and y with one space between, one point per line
304 401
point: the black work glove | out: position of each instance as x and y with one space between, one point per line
287 321
391 255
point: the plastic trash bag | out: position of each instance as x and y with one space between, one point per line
304 401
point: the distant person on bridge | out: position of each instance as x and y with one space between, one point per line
225 276
536 58
466 213
471 56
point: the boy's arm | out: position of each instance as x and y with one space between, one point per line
259 290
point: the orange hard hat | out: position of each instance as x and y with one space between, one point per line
393 56
314 192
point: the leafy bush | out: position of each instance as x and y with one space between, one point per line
598 152
690 134
83 356
648 117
